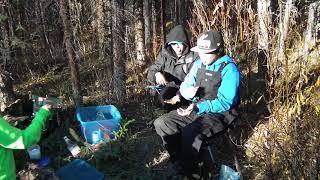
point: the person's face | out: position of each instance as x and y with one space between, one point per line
208 58
177 48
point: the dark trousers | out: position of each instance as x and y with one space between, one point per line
183 135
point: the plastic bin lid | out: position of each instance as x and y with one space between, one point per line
78 170
97 113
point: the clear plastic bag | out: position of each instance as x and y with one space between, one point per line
227 173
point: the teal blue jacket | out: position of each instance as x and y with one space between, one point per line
227 95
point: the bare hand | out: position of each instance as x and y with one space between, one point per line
192 91
173 100
47 107
186 112
160 79
52 103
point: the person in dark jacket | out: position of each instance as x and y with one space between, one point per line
212 86
172 64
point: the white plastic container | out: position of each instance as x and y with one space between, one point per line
34 152
96 137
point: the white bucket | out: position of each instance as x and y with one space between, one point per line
34 152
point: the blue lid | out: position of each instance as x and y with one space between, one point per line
79 169
44 161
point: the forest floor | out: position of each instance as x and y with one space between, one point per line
137 155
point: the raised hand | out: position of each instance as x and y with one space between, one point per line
47 107
160 79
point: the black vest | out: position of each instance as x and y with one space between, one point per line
209 82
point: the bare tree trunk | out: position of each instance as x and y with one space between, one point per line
101 29
155 29
162 22
182 12
72 57
119 81
264 16
44 28
317 33
310 36
108 43
154 15
147 23
6 86
6 90
179 12
139 33
283 28
176 11
186 9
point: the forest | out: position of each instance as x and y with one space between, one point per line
98 52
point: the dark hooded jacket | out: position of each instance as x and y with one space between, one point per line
173 68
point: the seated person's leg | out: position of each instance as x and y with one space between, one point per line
193 136
168 128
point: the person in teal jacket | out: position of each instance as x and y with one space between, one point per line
212 86
13 138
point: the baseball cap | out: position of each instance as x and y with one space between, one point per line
208 42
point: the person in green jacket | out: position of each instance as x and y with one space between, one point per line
14 138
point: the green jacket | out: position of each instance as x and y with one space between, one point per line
14 138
